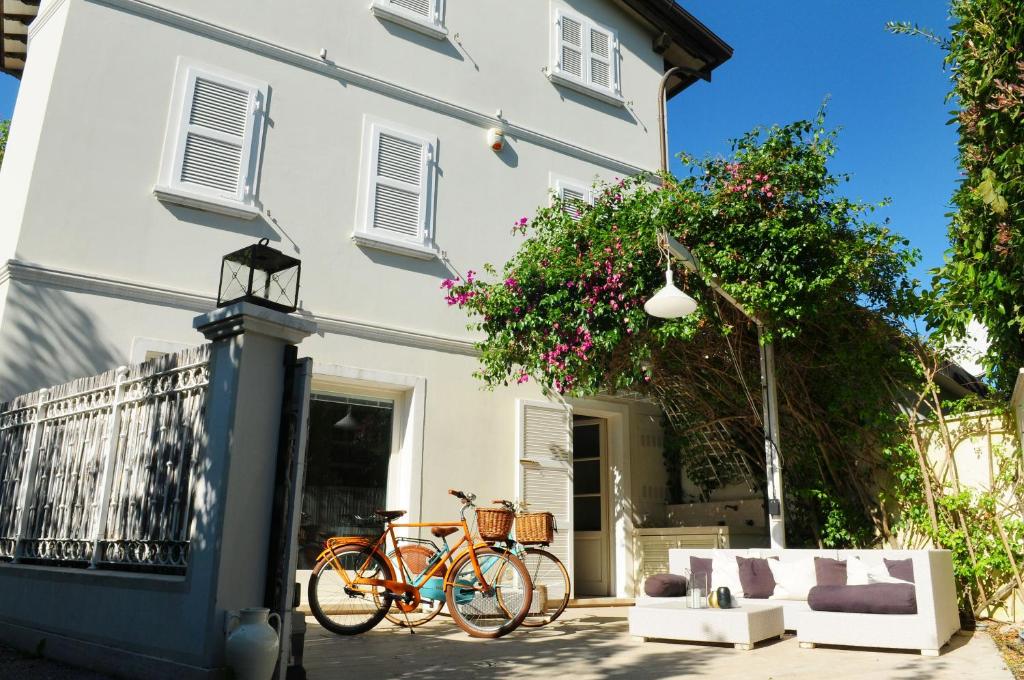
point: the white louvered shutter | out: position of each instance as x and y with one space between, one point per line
601 70
421 8
398 191
220 121
570 193
545 435
570 42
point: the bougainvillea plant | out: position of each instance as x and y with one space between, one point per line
770 224
567 309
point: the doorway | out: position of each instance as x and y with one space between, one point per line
591 531
351 440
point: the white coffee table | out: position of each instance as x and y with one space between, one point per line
742 627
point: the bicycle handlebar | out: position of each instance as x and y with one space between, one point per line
501 501
462 495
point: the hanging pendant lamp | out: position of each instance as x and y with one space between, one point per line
670 302
348 423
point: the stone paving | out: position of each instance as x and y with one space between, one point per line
595 643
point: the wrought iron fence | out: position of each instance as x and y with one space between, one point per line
99 471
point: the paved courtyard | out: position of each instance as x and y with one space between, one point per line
595 643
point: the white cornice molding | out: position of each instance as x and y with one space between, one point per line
314 63
41 18
23 272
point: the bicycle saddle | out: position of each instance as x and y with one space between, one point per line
441 532
389 514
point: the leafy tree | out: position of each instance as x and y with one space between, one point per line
982 273
831 286
5 126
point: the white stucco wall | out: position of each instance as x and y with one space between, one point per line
103 269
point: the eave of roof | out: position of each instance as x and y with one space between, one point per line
15 16
682 39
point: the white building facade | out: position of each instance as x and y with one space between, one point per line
151 138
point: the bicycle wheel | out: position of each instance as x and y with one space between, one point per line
495 610
550 585
344 609
416 559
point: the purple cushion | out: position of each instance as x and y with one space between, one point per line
829 572
700 573
665 585
873 598
755 577
901 569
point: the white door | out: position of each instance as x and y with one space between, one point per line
591 544
545 485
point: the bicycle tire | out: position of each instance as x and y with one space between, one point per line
415 558
497 563
324 571
540 575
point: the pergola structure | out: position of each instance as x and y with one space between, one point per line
15 17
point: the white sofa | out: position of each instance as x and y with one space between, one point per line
929 630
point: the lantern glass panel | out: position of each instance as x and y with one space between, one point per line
261 275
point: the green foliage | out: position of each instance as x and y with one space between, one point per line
5 126
568 307
981 276
768 222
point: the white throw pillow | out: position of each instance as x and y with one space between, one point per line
725 571
860 574
792 579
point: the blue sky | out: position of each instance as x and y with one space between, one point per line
887 93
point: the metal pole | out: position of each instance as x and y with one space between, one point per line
773 463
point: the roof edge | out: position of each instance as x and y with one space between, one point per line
685 31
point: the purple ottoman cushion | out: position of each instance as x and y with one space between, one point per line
665 585
829 572
756 577
873 598
901 569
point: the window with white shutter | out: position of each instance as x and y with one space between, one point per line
425 16
398 170
585 57
571 192
212 150
545 466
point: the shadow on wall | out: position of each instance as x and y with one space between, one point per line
47 339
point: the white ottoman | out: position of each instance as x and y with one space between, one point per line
741 626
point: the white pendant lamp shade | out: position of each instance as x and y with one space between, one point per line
670 302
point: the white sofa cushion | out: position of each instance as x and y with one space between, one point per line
725 571
859 573
793 579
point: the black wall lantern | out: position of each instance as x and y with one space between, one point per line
261 275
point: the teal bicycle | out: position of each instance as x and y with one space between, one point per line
551 585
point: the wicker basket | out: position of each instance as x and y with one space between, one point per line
494 524
535 527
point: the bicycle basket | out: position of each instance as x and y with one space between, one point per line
535 527
494 524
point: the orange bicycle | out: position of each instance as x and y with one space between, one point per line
353 585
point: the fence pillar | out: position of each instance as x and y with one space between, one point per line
107 458
28 473
234 490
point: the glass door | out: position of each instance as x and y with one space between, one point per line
592 561
350 446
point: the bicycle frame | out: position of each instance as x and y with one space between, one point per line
407 594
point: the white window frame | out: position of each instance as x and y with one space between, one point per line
423 246
559 183
434 27
169 187
583 83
